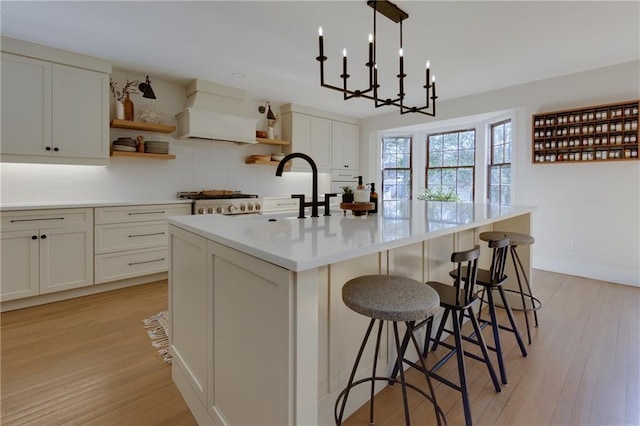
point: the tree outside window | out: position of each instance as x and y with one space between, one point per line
500 163
451 162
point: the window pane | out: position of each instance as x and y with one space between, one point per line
468 140
436 143
465 177
498 154
451 141
465 193
435 159
506 175
449 177
450 159
505 195
494 194
498 135
434 177
494 176
507 153
467 157
404 161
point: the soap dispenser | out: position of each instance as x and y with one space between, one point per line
373 198
360 195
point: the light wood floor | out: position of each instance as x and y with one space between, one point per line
89 361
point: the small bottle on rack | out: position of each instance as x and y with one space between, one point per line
373 198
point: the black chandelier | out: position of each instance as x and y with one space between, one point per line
397 15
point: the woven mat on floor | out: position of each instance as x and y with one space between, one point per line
157 327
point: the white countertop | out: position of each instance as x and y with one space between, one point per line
82 204
300 244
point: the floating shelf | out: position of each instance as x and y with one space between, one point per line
266 141
143 155
262 162
138 125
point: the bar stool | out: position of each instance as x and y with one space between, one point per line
458 299
389 298
516 239
491 280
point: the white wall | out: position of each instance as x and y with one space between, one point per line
597 205
199 164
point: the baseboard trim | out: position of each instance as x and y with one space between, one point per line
12 305
595 272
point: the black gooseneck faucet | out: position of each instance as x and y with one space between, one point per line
314 202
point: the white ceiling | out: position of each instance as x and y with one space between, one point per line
473 46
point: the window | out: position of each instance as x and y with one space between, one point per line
500 163
451 162
396 174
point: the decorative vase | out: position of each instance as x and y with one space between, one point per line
119 110
128 108
269 132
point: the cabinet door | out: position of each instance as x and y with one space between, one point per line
80 113
344 146
312 136
26 105
19 261
66 259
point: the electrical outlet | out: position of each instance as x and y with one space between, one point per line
568 244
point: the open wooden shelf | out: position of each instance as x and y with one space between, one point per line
143 155
262 162
138 125
272 142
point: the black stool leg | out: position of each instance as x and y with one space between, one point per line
462 372
524 306
373 374
445 315
404 345
485 351
495 327
423 364
526 281
402 381
427 338
512 320
353 373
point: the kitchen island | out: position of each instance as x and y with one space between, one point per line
259 333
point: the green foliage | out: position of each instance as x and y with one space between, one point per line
346 189
438 194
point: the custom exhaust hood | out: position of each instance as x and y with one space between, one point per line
214 112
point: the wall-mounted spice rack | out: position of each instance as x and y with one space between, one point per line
607 132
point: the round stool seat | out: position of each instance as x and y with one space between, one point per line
515 238
390 298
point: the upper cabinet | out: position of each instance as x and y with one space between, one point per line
344 146
329 139
53 112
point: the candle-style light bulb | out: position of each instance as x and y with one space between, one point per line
401 52
428 64
320 31
344 52
370 38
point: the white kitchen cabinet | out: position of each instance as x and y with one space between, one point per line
45 251
131 241
53 112
310 135
344 146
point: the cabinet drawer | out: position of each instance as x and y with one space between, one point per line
128 264
46 219
140 213
284 204
130 236
344 175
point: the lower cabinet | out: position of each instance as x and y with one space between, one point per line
44 251
131 241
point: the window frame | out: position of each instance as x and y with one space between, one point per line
472 168
383 203
491 164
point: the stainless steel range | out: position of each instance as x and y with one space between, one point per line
222 202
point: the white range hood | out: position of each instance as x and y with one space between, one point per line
214 112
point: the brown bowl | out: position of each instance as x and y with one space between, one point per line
261 133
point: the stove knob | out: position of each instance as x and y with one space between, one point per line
210 210
242 207
218 209
200 210
231 208
250 207
257 207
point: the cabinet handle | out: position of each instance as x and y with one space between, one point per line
43 236
32 220
146 235
34 237
146 261
136 213
48 148
56 149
